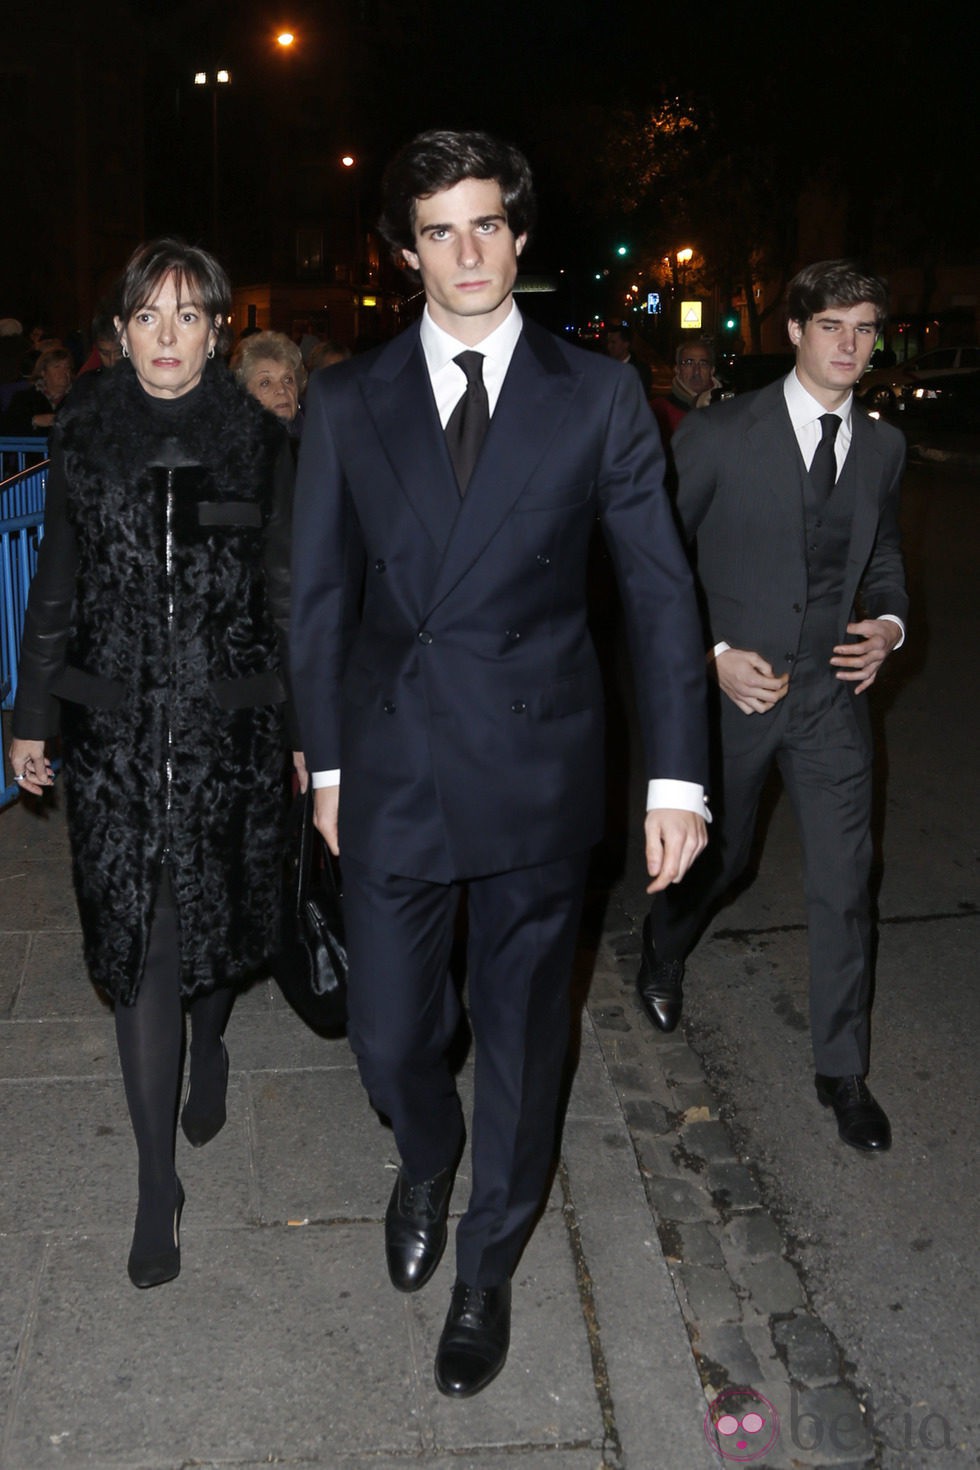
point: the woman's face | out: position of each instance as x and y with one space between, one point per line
274 385
56 379
169 339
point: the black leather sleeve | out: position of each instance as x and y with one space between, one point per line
49 608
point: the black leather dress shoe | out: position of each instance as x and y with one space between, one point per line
659 984
861 1122
415 1228
474 1342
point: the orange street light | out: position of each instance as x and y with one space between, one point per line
348 160
285 38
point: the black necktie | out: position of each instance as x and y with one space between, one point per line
469 420
823 466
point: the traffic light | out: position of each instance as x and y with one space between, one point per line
622 251
729 321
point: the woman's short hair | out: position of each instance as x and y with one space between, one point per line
834 283
263 346
195 271
439 160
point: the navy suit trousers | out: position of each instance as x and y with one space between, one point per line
404 1010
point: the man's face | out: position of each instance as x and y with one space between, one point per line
694 369
109 351
833 349
466 255
617 346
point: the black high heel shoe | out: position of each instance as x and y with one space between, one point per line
203 1122
155 1267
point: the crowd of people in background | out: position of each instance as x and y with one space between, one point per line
39 369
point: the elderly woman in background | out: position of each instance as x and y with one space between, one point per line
154 637
269 366
33 411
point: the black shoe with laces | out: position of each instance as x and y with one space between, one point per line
416 1228
861 1122
659 984
474 1342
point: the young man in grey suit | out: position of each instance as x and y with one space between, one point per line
451 708
790 498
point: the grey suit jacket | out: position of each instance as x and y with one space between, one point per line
740 499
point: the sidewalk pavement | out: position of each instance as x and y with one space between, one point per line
282 1341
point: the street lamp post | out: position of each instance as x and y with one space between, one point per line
221 77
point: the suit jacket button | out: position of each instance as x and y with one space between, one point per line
797 608
519 707
388 707
512 635
543 561
424 636
380 566
789 657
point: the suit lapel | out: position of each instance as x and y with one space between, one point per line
532 405
864 527
772 443
398 396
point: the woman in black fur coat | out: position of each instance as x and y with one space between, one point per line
153 640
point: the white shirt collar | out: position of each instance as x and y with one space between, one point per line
448 379
441 347
805 409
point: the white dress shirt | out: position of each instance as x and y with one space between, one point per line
448 386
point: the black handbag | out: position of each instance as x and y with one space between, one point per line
311 966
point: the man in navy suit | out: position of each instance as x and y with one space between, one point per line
790 496
451 709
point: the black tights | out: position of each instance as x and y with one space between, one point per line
150 1037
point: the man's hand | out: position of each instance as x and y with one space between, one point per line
673 841
326 805
747 678
861 661
302 774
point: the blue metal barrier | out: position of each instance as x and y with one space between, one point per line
21 531
21 453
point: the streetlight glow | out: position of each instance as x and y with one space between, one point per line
683 256
222 77
348 160
200 79
285 38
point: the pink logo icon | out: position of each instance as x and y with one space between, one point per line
741 1425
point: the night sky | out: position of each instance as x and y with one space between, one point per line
884 92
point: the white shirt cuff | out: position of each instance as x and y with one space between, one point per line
678 796
891 618
325 778
718 648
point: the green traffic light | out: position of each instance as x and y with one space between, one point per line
622 250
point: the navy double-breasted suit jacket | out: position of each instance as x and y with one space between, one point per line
440 653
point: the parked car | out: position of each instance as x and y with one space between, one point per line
947 400
882 388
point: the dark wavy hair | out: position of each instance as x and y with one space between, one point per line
195 271
834 283
440 159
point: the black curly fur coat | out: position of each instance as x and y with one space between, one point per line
170 573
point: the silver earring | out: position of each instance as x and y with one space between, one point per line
210 354
125 349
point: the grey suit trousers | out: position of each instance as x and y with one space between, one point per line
819 736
